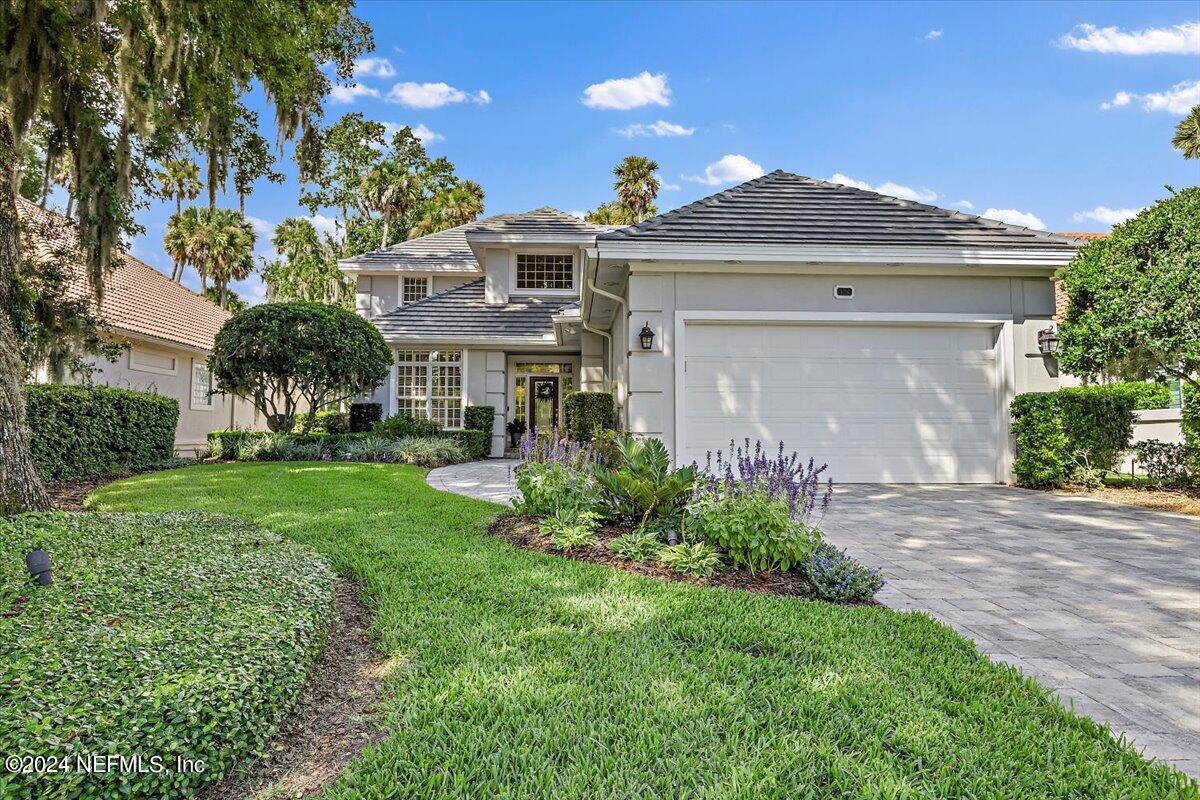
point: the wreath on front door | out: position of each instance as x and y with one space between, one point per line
544 391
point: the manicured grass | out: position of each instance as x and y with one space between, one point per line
163 635
519 674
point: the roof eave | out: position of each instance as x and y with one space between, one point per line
834 254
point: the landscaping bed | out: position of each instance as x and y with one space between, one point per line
168 636
1179 501
523 531
522 675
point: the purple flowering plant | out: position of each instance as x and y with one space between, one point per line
803 486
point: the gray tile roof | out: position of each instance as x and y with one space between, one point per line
461 313
540 222
782 208
445 251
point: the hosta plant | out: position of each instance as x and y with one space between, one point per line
695 559
639 545
570 529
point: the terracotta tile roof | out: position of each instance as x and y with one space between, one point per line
138 299
1079 235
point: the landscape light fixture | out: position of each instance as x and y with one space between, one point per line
1048 341
647 337
38 564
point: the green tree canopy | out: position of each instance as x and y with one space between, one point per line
636 184
307 265
1134 308
278 355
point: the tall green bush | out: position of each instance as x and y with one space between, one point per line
588 412
1191 415
81 431
1058 434
480 418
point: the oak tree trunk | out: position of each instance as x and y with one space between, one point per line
20 487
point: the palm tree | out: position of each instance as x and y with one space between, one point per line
178 179
636 184
229 253
392 191
1187 134
451 208
185 241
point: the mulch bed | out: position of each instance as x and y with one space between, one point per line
522 531
69 495
336 717
1179 501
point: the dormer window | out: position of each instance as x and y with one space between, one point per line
545 272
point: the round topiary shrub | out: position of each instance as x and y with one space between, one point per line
282 356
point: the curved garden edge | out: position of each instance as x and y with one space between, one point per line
522 531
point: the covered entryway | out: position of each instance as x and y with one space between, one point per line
895 403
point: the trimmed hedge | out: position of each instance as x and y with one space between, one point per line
479 418
364 415
322 422
1058 434
163 635
427 451
403 426
587 412
82 431
477 443
1191 415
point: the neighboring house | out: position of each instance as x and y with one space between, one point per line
883 337
170 332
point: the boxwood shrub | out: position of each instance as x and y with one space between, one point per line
1076 428
329 421
480 418
477 443
426 451
81 431
163 635
1191 415
587 412
364 415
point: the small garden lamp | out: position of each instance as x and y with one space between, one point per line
1048 341
38 564
647 337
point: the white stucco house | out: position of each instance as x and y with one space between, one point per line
881 336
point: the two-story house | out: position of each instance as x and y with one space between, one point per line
881 336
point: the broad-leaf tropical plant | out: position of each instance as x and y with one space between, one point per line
641 484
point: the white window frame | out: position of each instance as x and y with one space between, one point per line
513 272
400 301
193 404
430 362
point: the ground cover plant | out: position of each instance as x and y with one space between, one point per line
167 634
425 451
521 674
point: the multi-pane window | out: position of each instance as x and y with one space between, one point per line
414 289
429 385
201 385
540 271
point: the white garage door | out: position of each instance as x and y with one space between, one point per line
898 404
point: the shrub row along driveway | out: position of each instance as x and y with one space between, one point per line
1097 600
519 674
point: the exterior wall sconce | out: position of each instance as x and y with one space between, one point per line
1048 341
646 336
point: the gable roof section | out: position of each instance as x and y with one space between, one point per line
443 252
461 313
138 299
541 221
785 209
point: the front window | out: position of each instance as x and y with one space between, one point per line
539 271
429 385
415 289
201 386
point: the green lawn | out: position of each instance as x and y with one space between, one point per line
524 675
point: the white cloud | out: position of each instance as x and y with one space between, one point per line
327 226
1181 39
373 67
921 195
1179 99
626 93
727 169
660 128
421 131
670 187
348 94
1106 215
433 95
936 33
965 204
1014 217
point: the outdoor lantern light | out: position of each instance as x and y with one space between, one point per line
1047 341
647 337
38 564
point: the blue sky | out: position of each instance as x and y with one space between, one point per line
1056 115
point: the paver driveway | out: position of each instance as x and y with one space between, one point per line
1098 601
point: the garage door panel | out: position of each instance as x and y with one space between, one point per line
878 403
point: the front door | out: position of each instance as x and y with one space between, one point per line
543 403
